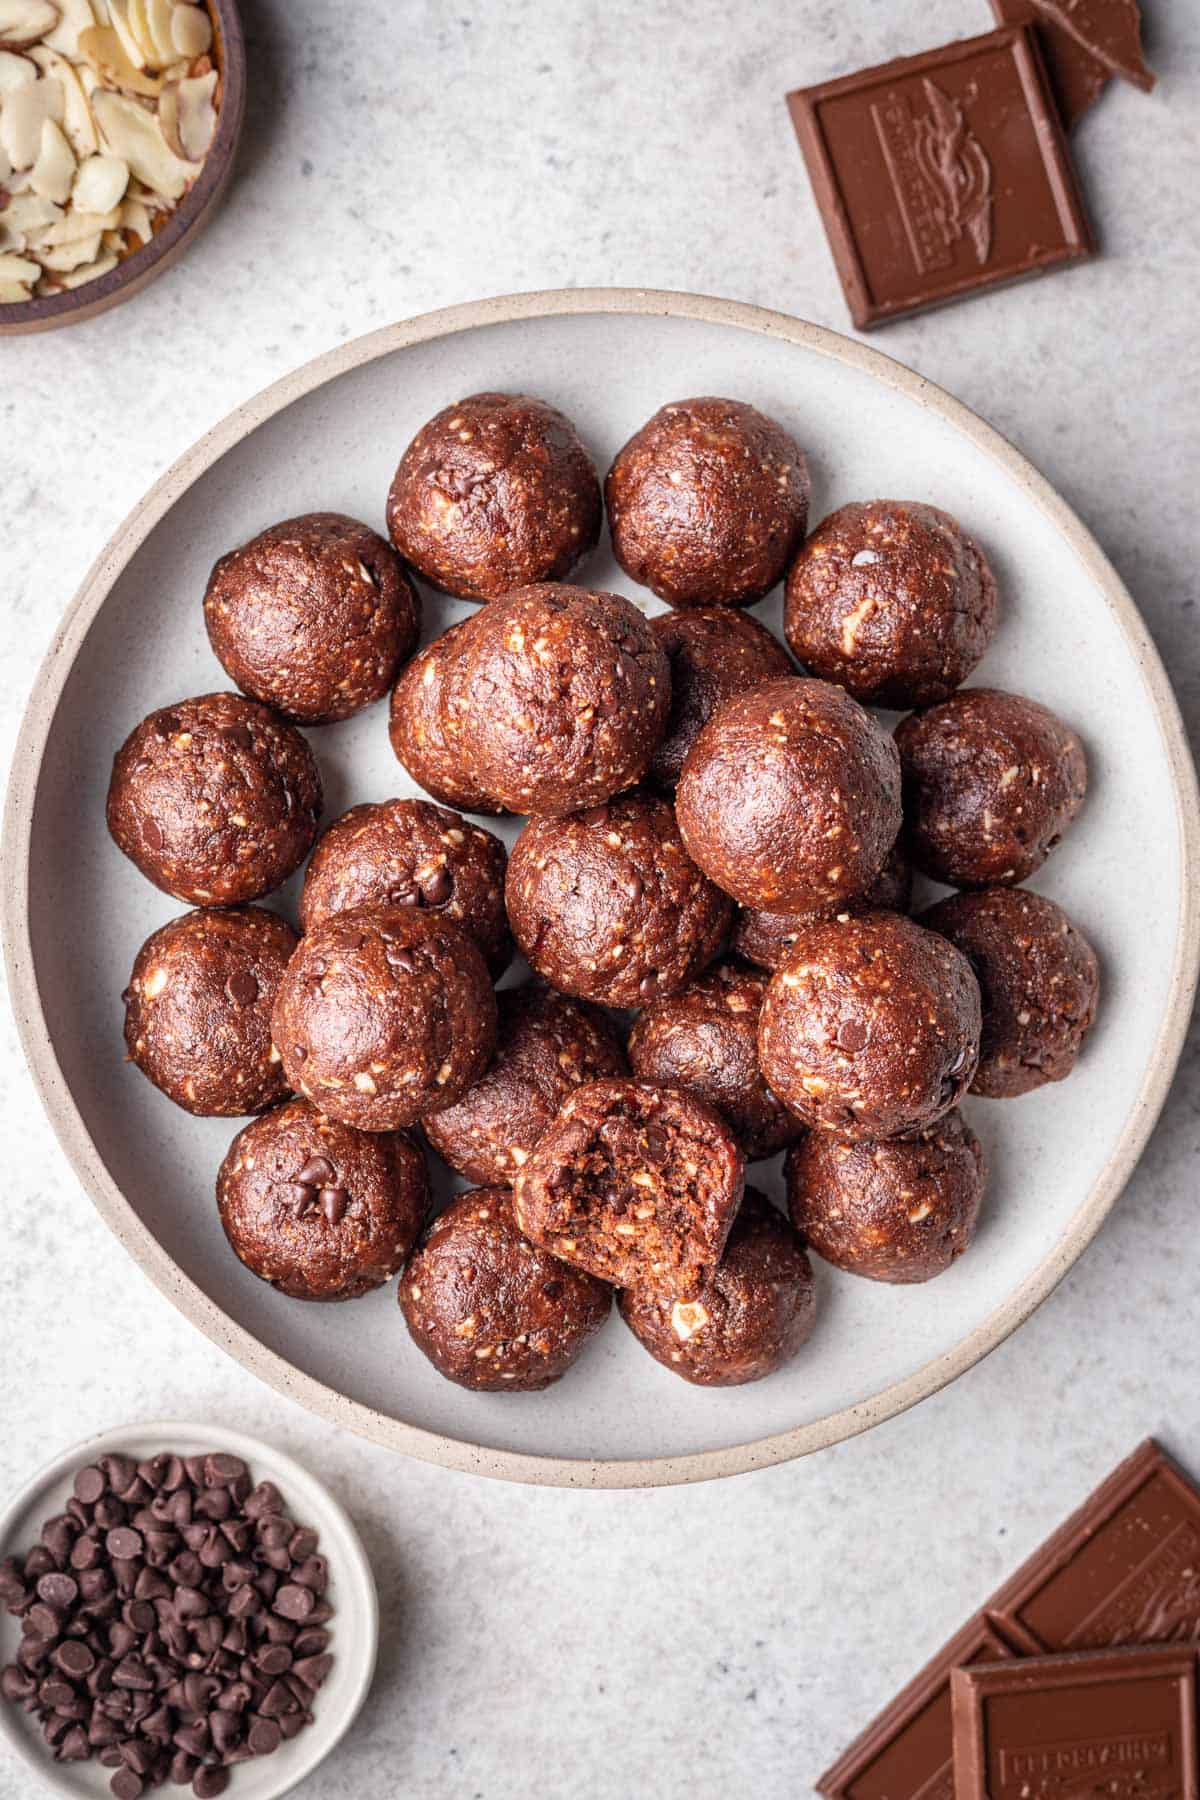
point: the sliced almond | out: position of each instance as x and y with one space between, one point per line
64 257
135 217
139 25
29 213
100 184
73 227
191 30
105 52
5 171
77 121
17 268
77 16
158 21
23 22
15 71
133 134
53 174
122 24
25 112
188 117
12 293
90 271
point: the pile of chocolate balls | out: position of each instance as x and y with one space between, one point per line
719 837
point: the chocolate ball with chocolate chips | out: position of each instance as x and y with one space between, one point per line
766 938
749 1318
714 653
555 698
638 1184
214 799
708 503
412 853
313 616
790 797
892 600
900 1209
488 1308
319 1210
493 493
705 1039
871 1026
385 1015
417 730
198 1010
546 1045
1039 979
607 904
991 783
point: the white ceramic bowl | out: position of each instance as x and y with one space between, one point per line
329 436
355 1624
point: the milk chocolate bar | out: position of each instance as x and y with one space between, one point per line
1124 1569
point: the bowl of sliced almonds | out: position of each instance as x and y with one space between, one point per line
119 120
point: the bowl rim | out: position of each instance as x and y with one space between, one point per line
47 311
299 1484
192 1301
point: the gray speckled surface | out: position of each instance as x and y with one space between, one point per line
727 1638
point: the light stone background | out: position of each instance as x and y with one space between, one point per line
725 1639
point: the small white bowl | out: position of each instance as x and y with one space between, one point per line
355 1624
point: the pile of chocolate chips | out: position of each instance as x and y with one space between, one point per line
173 1622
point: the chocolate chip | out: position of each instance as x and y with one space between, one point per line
242 988
312 1670
334 1201
293 1601
264 1736
436 886
74 1747
57 1590
88 1485
401 960
208 1783
317 1172
240 735
123 1543
304 1199
85 1552
152 834
74 1658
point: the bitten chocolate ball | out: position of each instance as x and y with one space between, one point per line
893 601
546 1045
606 904
555 698
198 1010
313 616
412 853
705 1039
417 731
714 653
899 1210
991 782
493 493
871 1026
384 1016
766 938
488 1308
790 797
708 503
1039 979
320 1211
749 1318
215 799
638 1184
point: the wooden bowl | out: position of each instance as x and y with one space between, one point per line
182 226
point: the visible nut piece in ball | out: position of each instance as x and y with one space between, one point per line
991 783
638 1184
495 492
708 503
790 797
705 1039
214 799
555 698
901 1210
871 1027
319 1210
412 853
714 653
384 1016
313 616
489 1309
546 1046
1039 980
607 904
198 1010
893 601
750 1317
767 938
